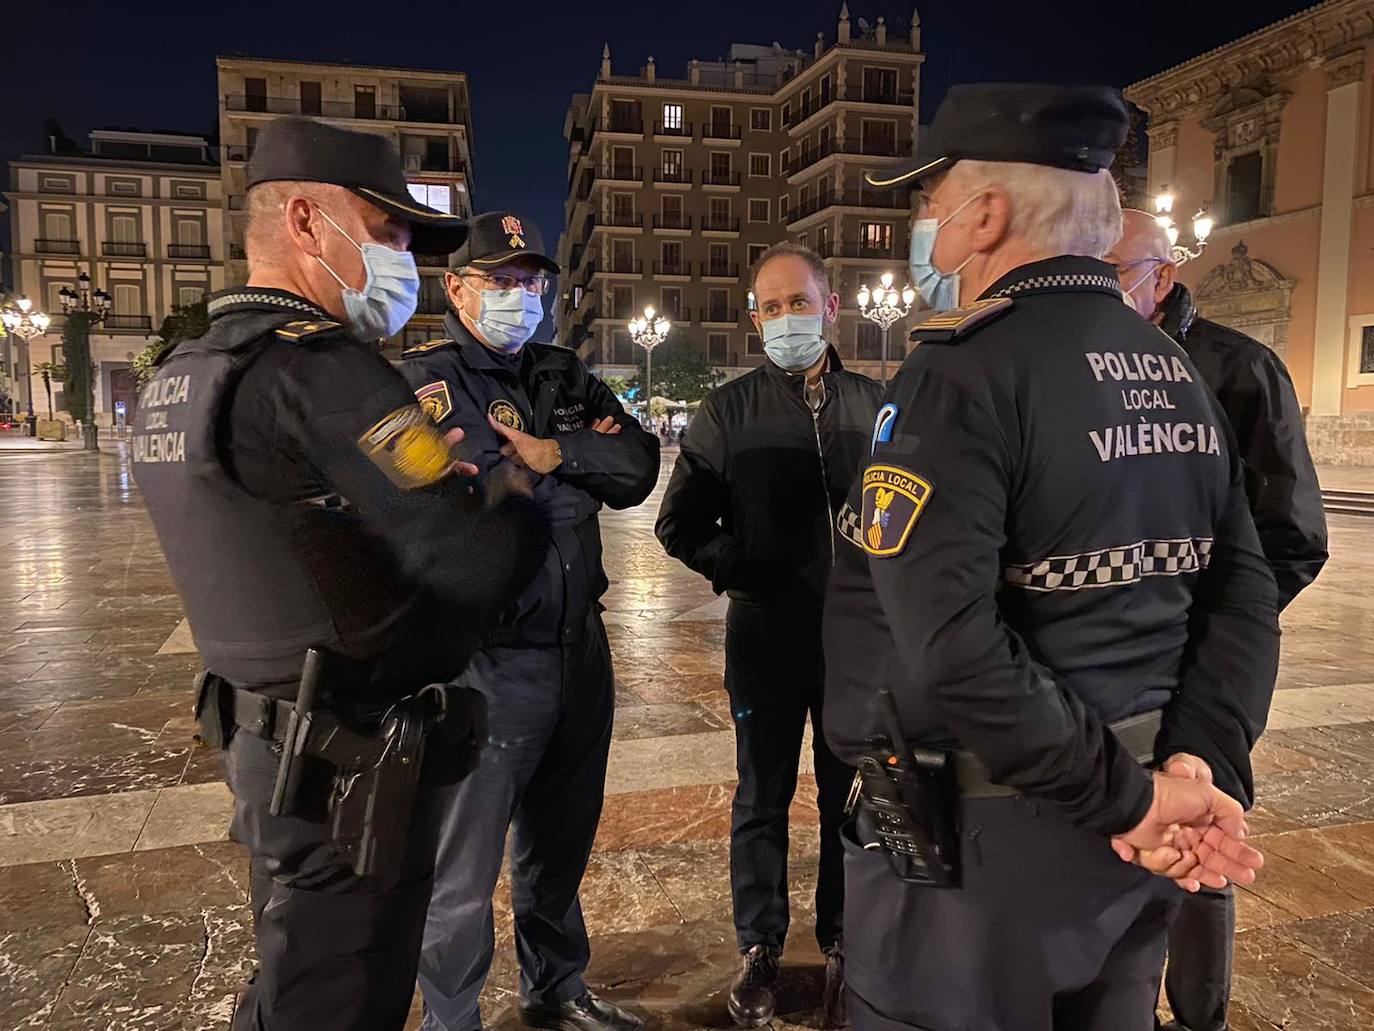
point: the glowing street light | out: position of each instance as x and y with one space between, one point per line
1203 224
648 331
884 305
25 321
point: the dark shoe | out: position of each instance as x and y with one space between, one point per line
834 1011
754 994
588 1013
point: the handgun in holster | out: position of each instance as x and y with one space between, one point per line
911 798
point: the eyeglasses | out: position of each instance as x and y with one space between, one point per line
1127 266
537 284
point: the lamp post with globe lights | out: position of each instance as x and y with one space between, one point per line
85 307
25 321
884 305
1203 225
648 331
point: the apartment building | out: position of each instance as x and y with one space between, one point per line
1275 133
676 186
427 115
141 214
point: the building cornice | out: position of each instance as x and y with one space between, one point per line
116 166
224 61
1308 40
119 200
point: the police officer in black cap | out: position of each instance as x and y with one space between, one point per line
544 666
1051 584
333 563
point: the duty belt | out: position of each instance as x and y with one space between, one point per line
1135 733
260 714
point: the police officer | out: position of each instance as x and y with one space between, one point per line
544 667
1050 575
764 467
304 500
1256 393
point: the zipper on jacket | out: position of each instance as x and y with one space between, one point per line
825 490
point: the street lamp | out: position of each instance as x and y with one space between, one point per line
1202 227
91 307
648 331
26 322
884 306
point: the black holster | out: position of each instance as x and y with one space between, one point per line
214 710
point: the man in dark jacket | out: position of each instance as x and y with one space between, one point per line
764 467
1257 395
545 666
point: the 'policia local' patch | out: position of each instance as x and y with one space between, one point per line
893 499
408 447
435 399
506 414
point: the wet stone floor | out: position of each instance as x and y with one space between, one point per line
123 904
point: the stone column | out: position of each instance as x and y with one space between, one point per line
1163 155
1344 76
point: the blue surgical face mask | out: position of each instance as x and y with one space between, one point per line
389 297
939 289
508 318
794 342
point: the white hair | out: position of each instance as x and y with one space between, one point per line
1061 211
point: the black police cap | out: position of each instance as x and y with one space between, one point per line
304 150
1075 127
495 237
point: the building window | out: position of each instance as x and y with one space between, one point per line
868 341
57 225
879 136
128 299
720 164
124 187
622 302
758 209
719 259
760 118
671 253
719 211
190 232
623 162
1367 351
670 301
433 195
672 210
876 238
756 251
622 348
761 165
753 344
672 166
310 98
1243 178
622 255
718 348
364 101
124 228
672 117
787 114
720 121
825 90
58 184
823 241
623 208
880 85
55 302
255 94
625 116
783 208
189 295
188 191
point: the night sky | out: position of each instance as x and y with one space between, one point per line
151 65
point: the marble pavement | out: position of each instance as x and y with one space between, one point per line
123 905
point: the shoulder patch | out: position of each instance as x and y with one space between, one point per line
408 447
426 347
436 400
951 325
298 331
892 502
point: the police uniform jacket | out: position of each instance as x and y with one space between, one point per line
545 391
302 499
1052 534
753 495
1257 395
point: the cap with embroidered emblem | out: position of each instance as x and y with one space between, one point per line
1075 127
296 149
496 237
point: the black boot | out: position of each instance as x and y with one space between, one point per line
588 1013
754 994
835 1014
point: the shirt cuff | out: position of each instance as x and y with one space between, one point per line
574 459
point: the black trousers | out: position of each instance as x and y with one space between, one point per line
1050 932
1202 941
774 681
334 950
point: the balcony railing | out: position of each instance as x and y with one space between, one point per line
114 249
720 131
803 111
680 316
882 147
57 246
682 129
854 250
672 268
710 178
672 175
728 316
237 152
337 109
622 124
716 270
848 198
672 221
867 96
874 96
619 267
188 250
719 225
622 173
621 221
143 323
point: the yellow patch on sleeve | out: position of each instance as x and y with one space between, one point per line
892 502
408 448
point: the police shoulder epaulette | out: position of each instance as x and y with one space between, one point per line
299 331
426 347
952 325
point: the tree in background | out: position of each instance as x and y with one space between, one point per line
618 385
681 371
80 374
50 371
184 323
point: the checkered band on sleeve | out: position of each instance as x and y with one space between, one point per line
850 525
1112 567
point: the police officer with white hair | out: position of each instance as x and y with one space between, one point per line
1051 636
